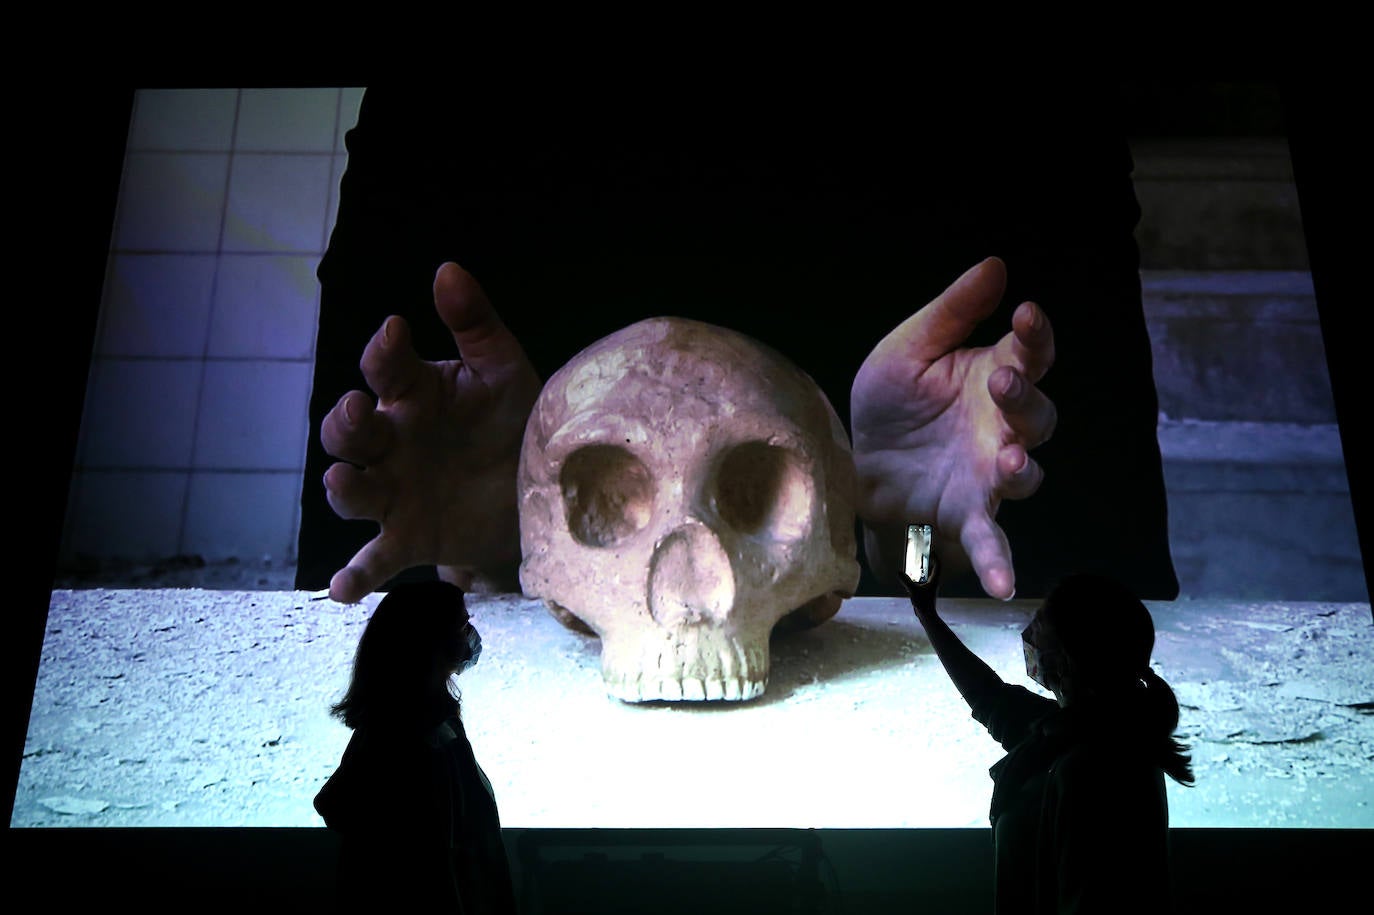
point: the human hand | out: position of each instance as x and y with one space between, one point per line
923 595
433 460
942 433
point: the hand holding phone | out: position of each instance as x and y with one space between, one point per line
920 570
919 564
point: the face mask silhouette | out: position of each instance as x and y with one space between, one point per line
1035 663
473 652
1041 664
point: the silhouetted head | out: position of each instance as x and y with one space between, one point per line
1090 642
1092 636
417 639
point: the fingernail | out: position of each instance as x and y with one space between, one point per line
386 332
349 413
1013 386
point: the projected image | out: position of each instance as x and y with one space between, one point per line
752 356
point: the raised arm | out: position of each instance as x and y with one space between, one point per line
974 679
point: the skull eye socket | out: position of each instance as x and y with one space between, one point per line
607 494
764 490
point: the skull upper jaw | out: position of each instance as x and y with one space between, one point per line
694 661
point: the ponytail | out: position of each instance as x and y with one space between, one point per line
1163 706
1107 636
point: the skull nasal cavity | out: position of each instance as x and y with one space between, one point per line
690 578
607 494
762 489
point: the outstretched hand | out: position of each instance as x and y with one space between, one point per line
433 459
942 433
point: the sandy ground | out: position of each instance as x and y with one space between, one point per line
194 707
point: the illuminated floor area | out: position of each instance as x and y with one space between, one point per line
188 708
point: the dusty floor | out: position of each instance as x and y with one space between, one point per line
173 703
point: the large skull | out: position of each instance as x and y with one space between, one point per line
683 489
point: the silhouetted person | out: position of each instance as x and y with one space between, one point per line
415 814
1080 817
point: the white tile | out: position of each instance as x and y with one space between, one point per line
134 516
139 414
337 169
294 533
287 120
349 103
183 119
253 416
156 305
242 515
171 201
265 307
277 203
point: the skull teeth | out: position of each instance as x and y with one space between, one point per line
641 689
693 664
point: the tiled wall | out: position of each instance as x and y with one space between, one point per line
194 428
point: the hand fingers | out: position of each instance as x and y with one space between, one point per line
990 555
1018 475
485 345
1030 414
459 578
390 364
1030 344
946 322
368 570
353 431
353 494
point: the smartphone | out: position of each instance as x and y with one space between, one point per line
918 541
